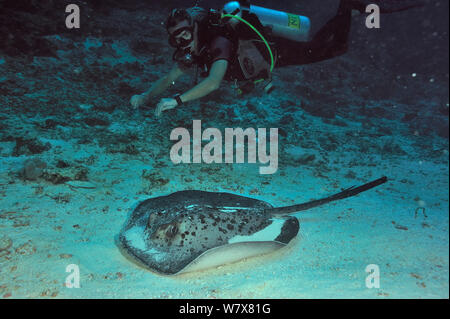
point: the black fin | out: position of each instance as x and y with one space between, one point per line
351 191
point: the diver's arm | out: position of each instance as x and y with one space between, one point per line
162 84
211 83
157 88
208 85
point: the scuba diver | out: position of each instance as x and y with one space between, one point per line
243 43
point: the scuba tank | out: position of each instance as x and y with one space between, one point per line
280 24
272 23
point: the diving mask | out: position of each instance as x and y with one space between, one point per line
182 37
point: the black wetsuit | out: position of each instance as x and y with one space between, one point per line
330 41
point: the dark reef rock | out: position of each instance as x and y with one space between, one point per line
81 174
393 148
51 124
287 120
93 121
375 112
29 146
55 178
154 178
319 110
125 89
139 46
443 130
129 149
306 159
444 110
409 117
24 23
62 164
282 132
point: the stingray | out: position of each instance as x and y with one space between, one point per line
194 230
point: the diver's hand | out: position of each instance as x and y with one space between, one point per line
165 104
138 100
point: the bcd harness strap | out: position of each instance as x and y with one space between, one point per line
251 61
253 65
272 63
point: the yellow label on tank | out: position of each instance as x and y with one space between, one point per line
293 21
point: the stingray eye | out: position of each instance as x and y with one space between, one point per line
172 231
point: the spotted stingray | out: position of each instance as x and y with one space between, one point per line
194 230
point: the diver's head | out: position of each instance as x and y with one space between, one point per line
182 30
182 26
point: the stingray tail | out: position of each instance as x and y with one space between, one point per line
352 191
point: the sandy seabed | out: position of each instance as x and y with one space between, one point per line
47 227
343 122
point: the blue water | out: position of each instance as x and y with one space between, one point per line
76 158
